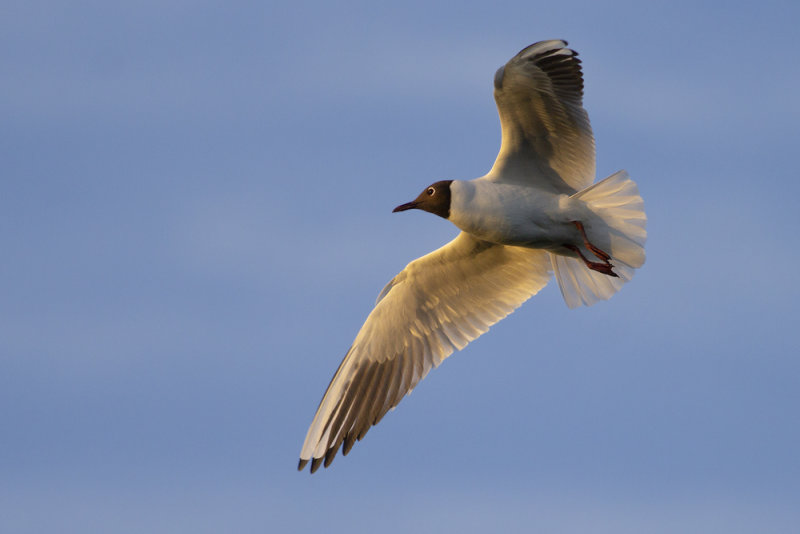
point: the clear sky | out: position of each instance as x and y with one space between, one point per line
195 219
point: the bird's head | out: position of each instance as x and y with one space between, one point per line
434 199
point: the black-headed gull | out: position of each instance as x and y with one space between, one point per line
536 212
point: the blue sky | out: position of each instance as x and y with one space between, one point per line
195 218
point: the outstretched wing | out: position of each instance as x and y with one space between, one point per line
547 138
437 304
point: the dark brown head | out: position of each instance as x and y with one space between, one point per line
435 199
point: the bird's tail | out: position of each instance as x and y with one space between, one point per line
617 204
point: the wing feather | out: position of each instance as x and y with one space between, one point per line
546 136
436 305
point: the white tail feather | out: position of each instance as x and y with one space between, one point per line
621 233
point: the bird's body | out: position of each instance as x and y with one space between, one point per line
517 215
535 214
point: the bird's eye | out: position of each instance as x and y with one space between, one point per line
431 190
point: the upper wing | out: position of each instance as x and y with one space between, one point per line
547 138
437 304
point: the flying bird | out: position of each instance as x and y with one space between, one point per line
536 212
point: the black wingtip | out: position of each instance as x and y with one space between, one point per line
315 463
301 464
349 441
330 455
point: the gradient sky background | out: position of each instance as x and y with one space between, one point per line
195 219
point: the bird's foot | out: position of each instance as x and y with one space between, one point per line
604 267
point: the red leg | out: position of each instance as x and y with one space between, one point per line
596 251
604 267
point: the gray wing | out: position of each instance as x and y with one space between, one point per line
547 138
436 305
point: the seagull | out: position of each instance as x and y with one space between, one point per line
535 213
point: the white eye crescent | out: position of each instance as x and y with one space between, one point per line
431 191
